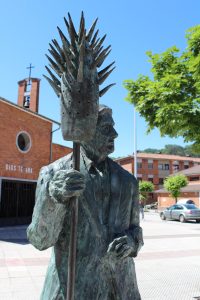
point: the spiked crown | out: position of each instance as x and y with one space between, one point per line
75 79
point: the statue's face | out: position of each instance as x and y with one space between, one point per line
102 143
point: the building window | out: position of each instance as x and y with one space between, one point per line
186 166
23 141
150 179
163 166
150 165
161 181
195 178
166 166
139 165
175 167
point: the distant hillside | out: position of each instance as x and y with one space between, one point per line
174 150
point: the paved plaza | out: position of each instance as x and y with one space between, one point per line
168 266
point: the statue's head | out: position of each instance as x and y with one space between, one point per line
102 144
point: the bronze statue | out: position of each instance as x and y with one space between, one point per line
108 231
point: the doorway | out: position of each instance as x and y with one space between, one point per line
17 202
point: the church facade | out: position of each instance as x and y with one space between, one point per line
25 146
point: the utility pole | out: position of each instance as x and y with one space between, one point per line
135 142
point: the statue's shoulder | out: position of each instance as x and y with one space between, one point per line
121 172
62 163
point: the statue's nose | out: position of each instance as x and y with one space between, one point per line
114 133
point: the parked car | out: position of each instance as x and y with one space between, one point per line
185 201
181 212
152 205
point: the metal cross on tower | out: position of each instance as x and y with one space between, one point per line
29 77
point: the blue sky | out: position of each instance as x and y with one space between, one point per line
132 28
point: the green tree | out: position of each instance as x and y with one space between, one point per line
145 187
173 184
171 100
151 150
189 151
173 149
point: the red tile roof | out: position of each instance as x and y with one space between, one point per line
194 187
161 157
195 170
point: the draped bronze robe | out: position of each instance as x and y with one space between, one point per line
108 208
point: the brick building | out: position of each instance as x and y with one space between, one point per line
156 167
191 191
26 145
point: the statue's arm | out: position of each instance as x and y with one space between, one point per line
134 232
48 215
130 241
54 193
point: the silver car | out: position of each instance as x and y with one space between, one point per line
181 212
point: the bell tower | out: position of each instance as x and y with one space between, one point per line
28 92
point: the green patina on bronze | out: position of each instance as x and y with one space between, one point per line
108 234
76 79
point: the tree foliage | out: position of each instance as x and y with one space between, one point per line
151 150
190 151
174 150
173 184
145 187
171 100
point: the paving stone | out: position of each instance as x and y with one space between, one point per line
167 267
